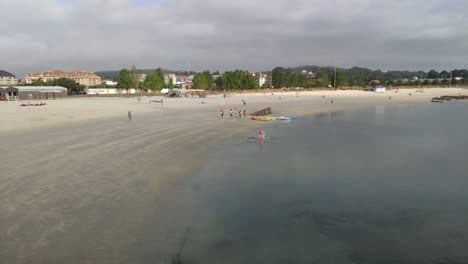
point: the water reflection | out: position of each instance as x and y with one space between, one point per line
380 115
350 192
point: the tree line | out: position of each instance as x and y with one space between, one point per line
231 80
280 78
362 77
68 83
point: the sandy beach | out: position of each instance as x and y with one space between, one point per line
79 182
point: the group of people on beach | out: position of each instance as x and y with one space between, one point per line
233 113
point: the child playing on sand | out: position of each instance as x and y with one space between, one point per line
130 116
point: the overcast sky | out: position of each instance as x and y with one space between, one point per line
40 35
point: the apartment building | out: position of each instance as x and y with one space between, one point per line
7 78
84 78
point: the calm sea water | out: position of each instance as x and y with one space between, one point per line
381 185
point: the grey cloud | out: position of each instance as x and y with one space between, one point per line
38 35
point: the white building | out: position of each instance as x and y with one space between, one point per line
110 82
84 78
379 89
261 78
170 76
100 91
7 78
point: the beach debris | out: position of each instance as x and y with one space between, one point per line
448 98
263 112
157 101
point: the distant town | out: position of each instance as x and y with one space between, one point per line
303 77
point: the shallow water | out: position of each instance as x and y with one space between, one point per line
382 185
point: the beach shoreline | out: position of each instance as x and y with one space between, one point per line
71 111
77 176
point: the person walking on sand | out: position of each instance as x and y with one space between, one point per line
245 113
130 116
139 99
240 113
221 111
231 112
243 101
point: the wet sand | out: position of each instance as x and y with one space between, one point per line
80 183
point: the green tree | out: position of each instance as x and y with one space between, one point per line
125 80
203 80
433 74
281 77
154 81
341 80
444 75
70 84
171 84
135 78
160 82
237 80
323 79
38 82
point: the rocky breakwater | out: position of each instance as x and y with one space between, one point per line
448 98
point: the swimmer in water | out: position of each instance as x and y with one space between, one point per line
261 134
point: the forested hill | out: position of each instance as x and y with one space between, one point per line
114 75
368 74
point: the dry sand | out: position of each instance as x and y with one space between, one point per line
80 183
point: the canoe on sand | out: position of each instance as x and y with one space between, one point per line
273 118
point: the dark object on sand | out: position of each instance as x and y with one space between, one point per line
263 112
174 93
449 98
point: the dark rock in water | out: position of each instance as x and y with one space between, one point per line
449 98
263 112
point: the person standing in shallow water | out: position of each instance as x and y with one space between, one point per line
130 116
261 134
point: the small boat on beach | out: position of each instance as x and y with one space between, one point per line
273 118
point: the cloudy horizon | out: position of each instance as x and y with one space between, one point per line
95 35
